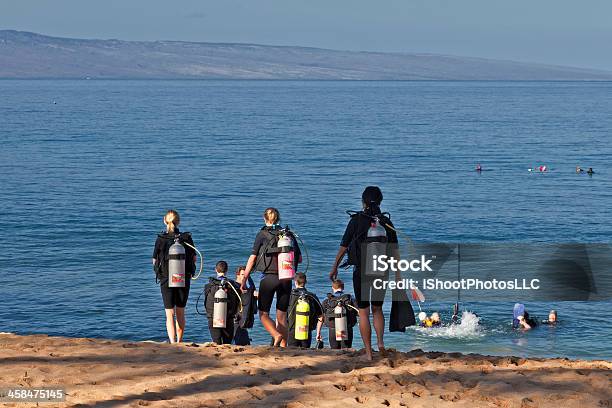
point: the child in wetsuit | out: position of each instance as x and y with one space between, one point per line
346 300
226 334
315 315
244 320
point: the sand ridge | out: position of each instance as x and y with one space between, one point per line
107 373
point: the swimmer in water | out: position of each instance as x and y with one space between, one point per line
541 169
432 321
525 322
424 320
435 319
552 318
478 167
579 170
590 171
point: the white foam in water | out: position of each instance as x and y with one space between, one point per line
468 328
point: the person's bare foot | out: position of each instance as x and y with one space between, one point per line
278 340
367 356
382 350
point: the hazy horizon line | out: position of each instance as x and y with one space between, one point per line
414 53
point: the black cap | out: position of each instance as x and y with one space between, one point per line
372 194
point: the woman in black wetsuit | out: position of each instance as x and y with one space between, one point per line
175 299
366 294
269 283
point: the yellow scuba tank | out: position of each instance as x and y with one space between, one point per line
302 319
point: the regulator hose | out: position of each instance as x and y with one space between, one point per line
201 260
197 303
305 250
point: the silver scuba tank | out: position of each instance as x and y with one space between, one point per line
340 323
176 265
220 309
376 245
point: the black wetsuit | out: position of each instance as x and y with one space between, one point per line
354 239
244 321
173 297
269 284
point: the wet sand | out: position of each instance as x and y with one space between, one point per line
105 373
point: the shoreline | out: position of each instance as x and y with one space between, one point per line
115 373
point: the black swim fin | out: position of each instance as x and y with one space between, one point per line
402 314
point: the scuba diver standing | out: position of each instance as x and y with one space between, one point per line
276 255
305 311
174 260
367 229
340 314
223 302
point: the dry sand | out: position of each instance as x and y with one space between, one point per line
105 373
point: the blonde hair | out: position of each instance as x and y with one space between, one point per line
172 220
271 215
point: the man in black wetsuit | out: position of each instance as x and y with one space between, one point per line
353 242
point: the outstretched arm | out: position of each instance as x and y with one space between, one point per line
333 274
247 271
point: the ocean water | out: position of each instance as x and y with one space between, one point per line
89 168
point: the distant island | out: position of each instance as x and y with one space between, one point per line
28 55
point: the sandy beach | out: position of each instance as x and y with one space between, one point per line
105 373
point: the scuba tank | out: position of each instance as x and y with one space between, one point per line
302 319
220 308
340 323
376 244
286 257
176 265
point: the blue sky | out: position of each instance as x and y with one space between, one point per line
565 32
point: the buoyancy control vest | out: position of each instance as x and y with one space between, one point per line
280 254
174 263
345 301
368 234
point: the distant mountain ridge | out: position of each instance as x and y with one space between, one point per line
30 55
